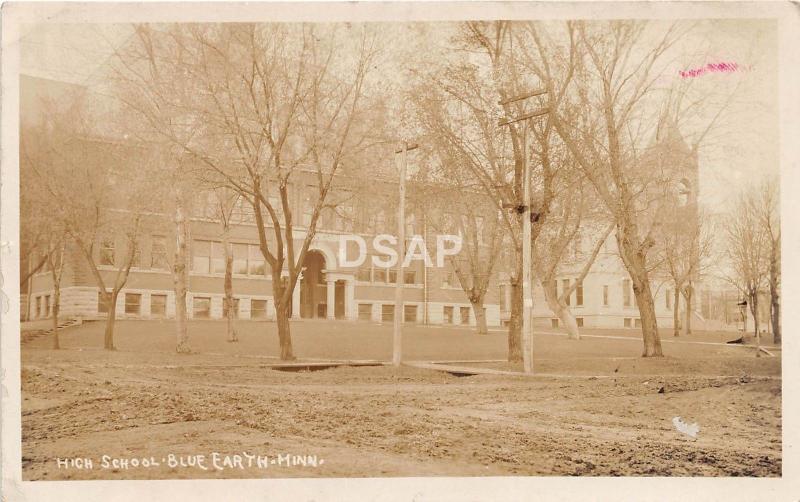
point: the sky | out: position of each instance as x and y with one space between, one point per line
740 150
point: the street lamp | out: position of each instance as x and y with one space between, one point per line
527 219
397 336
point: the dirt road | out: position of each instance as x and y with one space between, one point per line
381 421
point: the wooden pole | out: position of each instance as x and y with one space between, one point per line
397 337
527 333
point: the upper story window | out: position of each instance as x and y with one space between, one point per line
107 251
158 253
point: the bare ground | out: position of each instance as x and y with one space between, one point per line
602 416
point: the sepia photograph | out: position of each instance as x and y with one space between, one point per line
521 246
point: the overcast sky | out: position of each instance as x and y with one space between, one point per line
740 150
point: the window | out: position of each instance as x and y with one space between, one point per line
409 313
243 212
448 315
387 312
553 323
347 218
579 321
577 245
158 253
364 311
637 323
235 308
46 306
201 307
201 256
136 261
256 265
158 305
579 294
605 296
380 275
239 259
564 287
364 274
133 303
392 277
217 258
277 206
258 309
627 322
626 292
669 300
379 222
449 280
102 308
410 277
308 205
464 311
107 252
38 307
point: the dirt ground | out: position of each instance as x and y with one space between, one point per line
596 409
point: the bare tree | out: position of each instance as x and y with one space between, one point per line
560 247
602 119
767 209
459 106
748 252
226 201
67 160
685 247
456 206
55 262
266 102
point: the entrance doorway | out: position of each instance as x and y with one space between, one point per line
339 302
313 287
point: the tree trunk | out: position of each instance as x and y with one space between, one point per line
56 308
515 322
480 316
229 303
29 297
775 304
687 294
634 258
676 312
564 314
180 278
284 332
647 313
754 311
108 338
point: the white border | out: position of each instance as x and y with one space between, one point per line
385 489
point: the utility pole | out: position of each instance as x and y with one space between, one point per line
397 338
527 218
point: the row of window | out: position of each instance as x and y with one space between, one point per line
627 294
343 218
380 275
209 257
410 313
627 322
41 307
158 254
201 306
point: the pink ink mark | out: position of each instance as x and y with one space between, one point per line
724 67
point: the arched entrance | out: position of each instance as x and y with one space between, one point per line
313 288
